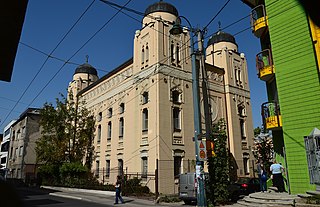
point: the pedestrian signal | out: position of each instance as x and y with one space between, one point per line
210 148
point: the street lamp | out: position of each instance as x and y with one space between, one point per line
176 30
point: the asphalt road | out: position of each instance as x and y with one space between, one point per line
35 197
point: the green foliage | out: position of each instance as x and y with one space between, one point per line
257 131
67 133
218 166
73 169
133 187
263 150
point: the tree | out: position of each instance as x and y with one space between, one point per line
218 165
66 134
263 149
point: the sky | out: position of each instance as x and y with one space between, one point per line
57 36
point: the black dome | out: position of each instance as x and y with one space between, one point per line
221 37
86 68
161 7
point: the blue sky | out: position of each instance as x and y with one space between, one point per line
36 81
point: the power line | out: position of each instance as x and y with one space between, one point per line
216 15
103 26
46 60
56 58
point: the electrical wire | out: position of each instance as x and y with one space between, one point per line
46 60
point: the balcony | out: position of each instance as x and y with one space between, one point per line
271 116
264 65
259 20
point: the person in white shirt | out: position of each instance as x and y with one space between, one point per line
277 178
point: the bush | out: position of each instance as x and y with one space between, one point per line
133 187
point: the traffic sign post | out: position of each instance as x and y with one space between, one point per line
202 150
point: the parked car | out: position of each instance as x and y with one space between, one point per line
247 185
188 190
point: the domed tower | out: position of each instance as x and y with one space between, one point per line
83 76
222 51
153 43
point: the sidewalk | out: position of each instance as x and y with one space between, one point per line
103 197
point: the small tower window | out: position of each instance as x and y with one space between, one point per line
176 97
145 97
147 53
142 55
178 54
172 53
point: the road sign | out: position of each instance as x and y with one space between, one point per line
202 150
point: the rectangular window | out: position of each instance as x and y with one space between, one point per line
16 153
120 167
144 163
21 151
108 168
176 119
3 160
11 152
246 165
18 135
242 129
176 97
99 134
145 97
109 112
121 109
109 130
121 127
177 165
97 168
145 120
99 117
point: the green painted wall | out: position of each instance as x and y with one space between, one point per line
297 83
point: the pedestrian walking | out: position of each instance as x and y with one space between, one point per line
263 179
277 178
118 190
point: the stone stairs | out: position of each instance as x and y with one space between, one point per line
272 198
267 199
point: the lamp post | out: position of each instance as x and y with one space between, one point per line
176 30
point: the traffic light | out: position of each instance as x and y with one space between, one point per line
210 148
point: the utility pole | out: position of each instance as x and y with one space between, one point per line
176 30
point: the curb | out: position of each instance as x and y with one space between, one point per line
101 192
68 196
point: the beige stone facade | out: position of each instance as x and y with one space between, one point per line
144 107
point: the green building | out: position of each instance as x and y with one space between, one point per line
289 65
